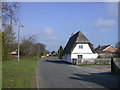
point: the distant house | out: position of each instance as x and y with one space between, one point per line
106 50
78 48
13 54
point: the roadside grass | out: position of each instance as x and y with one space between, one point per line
0 58
0 75
19 74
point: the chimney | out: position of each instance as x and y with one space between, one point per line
99 46
72 34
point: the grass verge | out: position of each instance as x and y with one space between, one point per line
19 74
0 75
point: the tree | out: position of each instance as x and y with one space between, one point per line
5 49
27 44
9 19
29 47
53 53
60 52
9 13
0 44
39 49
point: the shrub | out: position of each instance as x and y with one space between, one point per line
99 56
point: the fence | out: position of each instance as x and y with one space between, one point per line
115 63
96 61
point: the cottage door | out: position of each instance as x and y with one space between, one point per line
80 58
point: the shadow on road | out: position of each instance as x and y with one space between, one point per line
99 78
58 62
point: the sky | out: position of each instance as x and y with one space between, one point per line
54 22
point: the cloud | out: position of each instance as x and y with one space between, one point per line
104 25
48 37
45 35
101 23
48 31
48 34
104 30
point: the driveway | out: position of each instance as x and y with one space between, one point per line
53 73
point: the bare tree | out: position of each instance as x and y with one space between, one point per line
9 13
29 46
39 49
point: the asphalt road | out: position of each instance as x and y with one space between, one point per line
53 73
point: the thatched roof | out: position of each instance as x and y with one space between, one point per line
77 38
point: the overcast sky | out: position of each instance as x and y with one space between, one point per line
54 22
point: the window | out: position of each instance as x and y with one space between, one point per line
80 46
80 56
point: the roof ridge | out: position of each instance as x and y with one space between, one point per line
82 38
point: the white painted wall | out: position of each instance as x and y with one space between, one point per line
86 52
92 55
85 56
86 49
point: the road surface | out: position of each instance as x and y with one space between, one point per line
53 73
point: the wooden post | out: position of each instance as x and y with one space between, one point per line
73 62
112 65
77 62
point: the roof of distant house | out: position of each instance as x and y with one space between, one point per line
102 48
74 39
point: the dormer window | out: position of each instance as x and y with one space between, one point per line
80 46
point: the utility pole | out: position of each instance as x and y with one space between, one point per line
18 43
19 40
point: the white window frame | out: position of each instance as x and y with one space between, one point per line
80 46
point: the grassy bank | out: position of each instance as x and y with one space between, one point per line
19 74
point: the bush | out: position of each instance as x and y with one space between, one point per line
36 58
99 56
